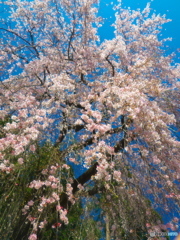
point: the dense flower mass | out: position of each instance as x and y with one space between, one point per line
109 106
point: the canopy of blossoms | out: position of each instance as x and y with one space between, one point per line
108 106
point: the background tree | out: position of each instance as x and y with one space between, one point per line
108 107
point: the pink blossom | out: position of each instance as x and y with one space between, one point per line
85 117
58 207
33 237
65 166
44 171
80 187
50 200
175 219
54 185
20 160
72 160
148 225
78 122
26 207
31 203
52 178
31 219
171 226
156 160
18 149
32 148
42 224
40 209
56 225
55 196
47 183
117 176
36 184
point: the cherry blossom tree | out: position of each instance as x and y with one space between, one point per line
71 101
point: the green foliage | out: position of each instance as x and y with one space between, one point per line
116 202
5 120
81 226
15 193
14 190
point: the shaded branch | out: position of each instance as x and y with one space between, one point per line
23 39
78 105
96 190
112 66
90 141
120 145
32 43
83 79
85 177
70 45
63 133
16 34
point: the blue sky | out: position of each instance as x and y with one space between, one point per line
169 7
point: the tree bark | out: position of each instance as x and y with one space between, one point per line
108 235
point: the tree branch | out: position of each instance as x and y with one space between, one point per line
112 66
85 177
